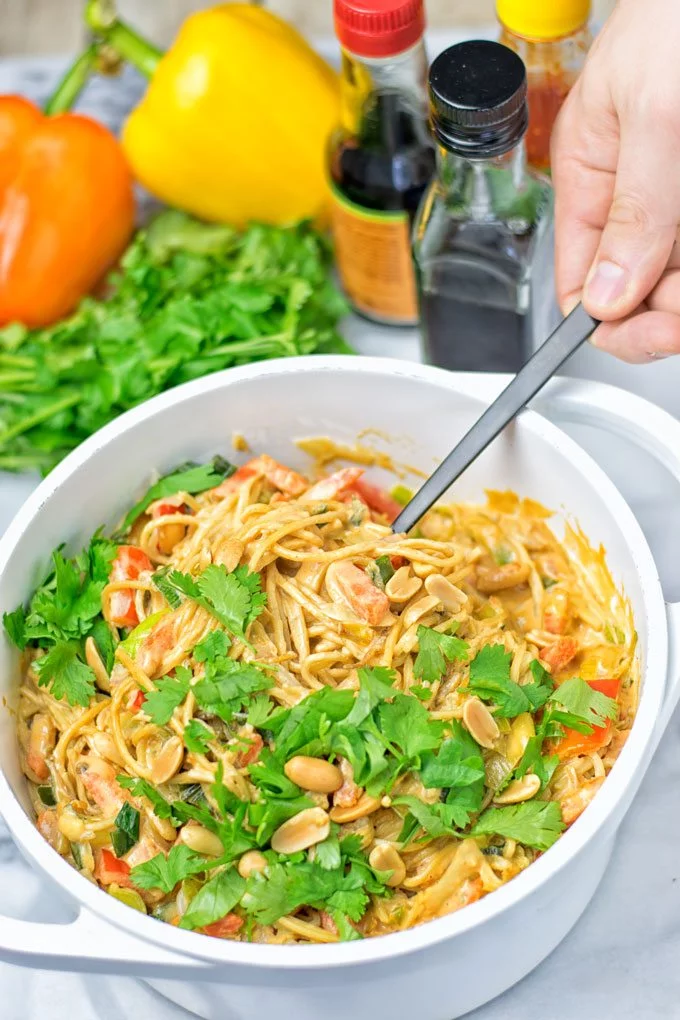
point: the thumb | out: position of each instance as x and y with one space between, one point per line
640 232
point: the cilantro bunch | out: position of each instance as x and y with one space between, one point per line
189 299
62 614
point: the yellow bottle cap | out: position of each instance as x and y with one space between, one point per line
543 19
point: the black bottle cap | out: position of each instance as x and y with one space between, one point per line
478 99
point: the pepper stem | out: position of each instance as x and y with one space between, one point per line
73 82
128 44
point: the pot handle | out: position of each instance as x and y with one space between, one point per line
88 944
648 427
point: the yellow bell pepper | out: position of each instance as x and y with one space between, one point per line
234 124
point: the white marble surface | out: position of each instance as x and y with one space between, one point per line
620 961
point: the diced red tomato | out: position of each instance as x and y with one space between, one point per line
251 753
129 563
136 702
109 868
574 743
227 925
377 499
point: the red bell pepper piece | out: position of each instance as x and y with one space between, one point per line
227 925
377 499
109 869
129 563
574 743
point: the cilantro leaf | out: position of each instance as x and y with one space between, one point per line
434 651
143 788
191 478
328 852
581 700
436 819
235 599
310 720
66 674
490 681
15 625
406 724
228 685
346 931
535 823
215 645
260 710
164 873
375 685
197 736
459 768
215 899
169 693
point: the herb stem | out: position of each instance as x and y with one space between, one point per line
38 417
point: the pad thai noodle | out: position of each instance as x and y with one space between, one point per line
257 713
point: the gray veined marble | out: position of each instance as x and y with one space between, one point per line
621 961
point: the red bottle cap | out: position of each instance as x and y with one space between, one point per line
378 28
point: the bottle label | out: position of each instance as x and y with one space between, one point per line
373 254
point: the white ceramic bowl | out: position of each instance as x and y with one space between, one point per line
442 969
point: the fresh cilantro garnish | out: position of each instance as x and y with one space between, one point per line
65 673
228 685
407 725
288 886
435 819
169 693
143 788
215 899
235 599
126 832
62 613
197 736
375 685
434 651
490 681
260 709
535 823
191 478
216 644
581 700
459 768
420 692
164 873
327 853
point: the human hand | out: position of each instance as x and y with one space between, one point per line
616 171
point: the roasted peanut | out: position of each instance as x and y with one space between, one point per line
385 858
252 863
480 723
169 535
200 839
315 774
452 598
402 586
498 578
168 762
301 831
519 790
364 806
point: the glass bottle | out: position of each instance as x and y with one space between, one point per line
382 157
482 237
553 38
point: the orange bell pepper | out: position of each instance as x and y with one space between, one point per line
574 743
66 210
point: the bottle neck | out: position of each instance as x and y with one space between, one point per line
486 189
364 79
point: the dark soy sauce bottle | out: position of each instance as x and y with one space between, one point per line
382 158
482 236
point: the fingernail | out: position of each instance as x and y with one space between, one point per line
607 285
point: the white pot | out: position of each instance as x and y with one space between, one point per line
442 969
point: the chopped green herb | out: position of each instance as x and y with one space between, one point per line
535 823
457 767
435 649
191 478
214 900
581 700
197 736
165 873
169 693
490 681
235 599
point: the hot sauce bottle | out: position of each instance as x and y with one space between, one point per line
552 37
382 158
